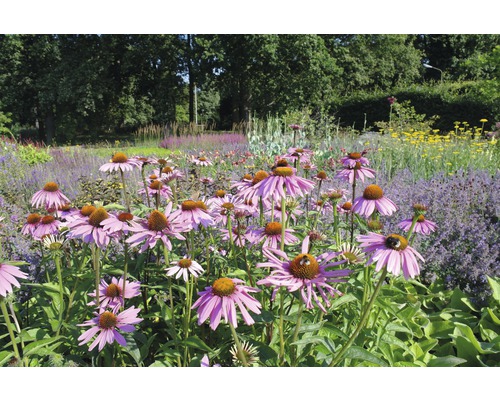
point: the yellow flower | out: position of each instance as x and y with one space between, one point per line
483 120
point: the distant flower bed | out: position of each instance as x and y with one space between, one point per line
206 141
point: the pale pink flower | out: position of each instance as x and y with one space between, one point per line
8 275
49 197
120 162
373 199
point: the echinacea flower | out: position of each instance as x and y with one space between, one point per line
222 207
205 362
155 188
349 174
305 272
351 253
373 199
48 225
250 353
111 295
32 221
270 235
107 323
120 162
220 300
247 186
54 243
192 214
422 225
392 251
185 267
201 161
8 275
158 226
283 182
120 223
351 159
49 197
91 230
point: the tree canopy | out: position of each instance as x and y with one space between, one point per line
64 86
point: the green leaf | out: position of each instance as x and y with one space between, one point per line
342 300
493 316
495 287
35 347
439 329
359 353
447 361
5 357
397 328
196 342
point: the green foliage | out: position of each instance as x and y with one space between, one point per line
32 155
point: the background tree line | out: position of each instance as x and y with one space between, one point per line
70 88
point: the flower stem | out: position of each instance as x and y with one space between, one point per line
125 270
9 327
362 322
410 231
96 264
352 214
238 346
282 340
283 221
145 185
57 261
296 334
125 197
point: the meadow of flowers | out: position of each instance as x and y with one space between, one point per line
355 250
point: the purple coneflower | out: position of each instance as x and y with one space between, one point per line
48 225
8 275
349 174
205 362
158 226
193 214
169 174
270 235
422 225
201 160
32 222
351 159
185 267
91 230
119 224
155 188
112 296
392 251
121 162
248 185
373 198
298 154
107 323
221 207
81 214
305 272
283 182
220 300
49 197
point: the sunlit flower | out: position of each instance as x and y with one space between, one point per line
8 275
201 160
422 225
270 235
348 174
351 253
48 225
351 159
250 353
220 300
307 273
111 295
184 267
373 199
32 221
193 214
107 323
155 188
205 362
121 162
392 251
158 226
283 182
119 224
49 197
91 230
